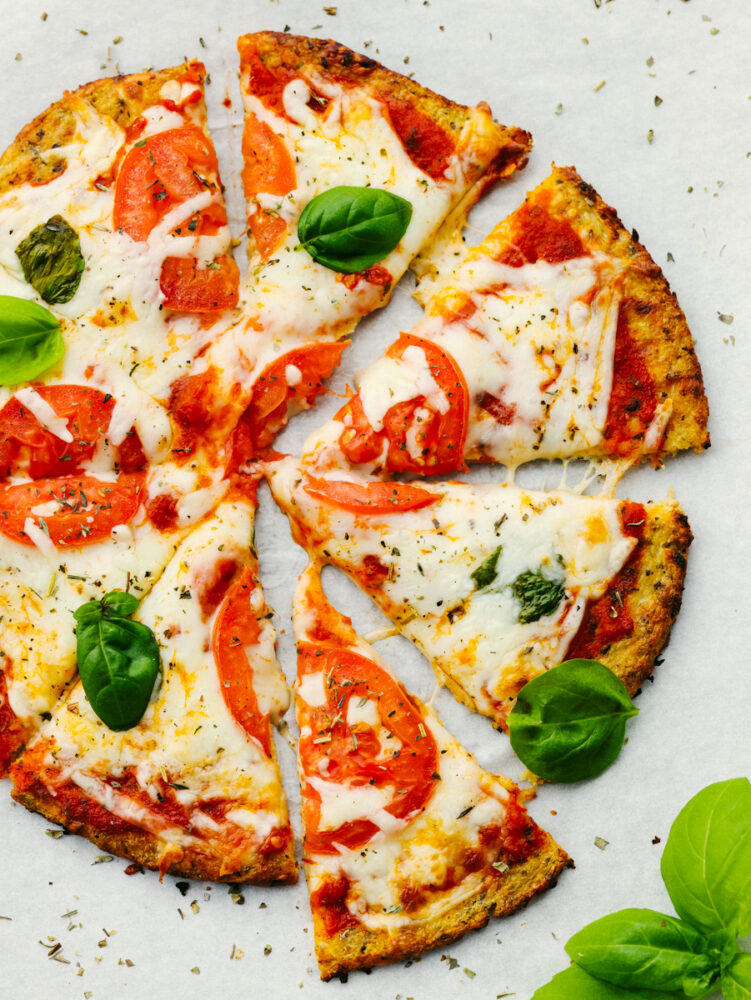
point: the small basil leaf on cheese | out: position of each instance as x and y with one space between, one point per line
537 595
486 572
349 229
30 340
118 659
51 260
569 723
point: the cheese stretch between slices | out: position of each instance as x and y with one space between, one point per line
187 732
424 560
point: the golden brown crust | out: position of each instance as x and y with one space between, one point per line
649 308
499 894
31 157
147 850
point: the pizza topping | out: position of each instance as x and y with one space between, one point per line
410 412
51 260
30 340
428 146
633 400
78 511
569 723
365 751
537 594
538 235
349 229
118 659
371 498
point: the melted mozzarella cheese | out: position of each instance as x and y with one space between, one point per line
187 732
389 381
44 413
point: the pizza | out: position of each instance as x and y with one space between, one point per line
557 337
494 583
139 683
194 787
408 842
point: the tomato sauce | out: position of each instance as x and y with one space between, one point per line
633 398
537 235
13 731
428 145
328 901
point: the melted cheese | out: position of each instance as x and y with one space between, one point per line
41 409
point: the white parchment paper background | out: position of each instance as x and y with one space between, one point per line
592 81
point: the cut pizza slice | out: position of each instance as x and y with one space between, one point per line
112 214
557 337
409 843
194 787
320 118
495 583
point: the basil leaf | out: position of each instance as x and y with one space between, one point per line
486 571
351 228
118 659
51 260
647 950
569 723
736 979
30 340
706 864
537 595
576 984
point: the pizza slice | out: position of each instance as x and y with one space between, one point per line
409 843
112 215
557 337
494 583
193 788
321 118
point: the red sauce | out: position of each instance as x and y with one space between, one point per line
328 901
633 399
131 454
268 84
162 511
13 731
428 146
520 836
375 275
502 413
608 619
537 235
373 573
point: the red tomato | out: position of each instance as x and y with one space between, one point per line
87 508
441 435
361 755
168 169
235 628
268 168
371 498
25 446
268 410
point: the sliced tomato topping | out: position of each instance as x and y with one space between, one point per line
428 145
416 437
235 628
296 376
371 498
538 235
70 511
267 169
399 754
190 288
28 448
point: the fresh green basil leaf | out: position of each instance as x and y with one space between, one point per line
537 595
736 979
706 864
351 228
486 572
576 984
30 340
51 260
647 950
118 660
569 723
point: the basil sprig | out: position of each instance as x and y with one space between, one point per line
51 260
569 723
642 954
487 571
118 659
30 340
349 229
537 595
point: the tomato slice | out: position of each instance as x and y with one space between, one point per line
371 498
268 410
29 449
189 288
400 753
84 510
267 169
168 169
439 437
235 628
